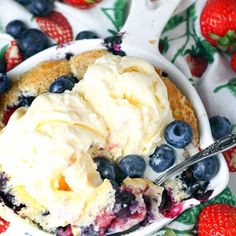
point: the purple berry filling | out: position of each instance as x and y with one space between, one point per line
194 188
64 231
166 202
88 231
3 180
9 200
124 204
149 218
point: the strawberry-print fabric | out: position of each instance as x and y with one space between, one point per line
181 42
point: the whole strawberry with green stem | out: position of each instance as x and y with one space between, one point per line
83 4
218 23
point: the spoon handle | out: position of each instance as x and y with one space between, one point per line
145 22
220 145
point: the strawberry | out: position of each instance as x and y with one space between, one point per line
217 219
3 225
233 62
56 26
12 56
218 23
82 4
197 64
230 157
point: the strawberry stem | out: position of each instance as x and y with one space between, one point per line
227 41
90 1
179 37
182 49
217 89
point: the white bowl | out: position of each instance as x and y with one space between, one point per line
56 53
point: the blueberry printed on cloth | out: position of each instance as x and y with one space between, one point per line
181 42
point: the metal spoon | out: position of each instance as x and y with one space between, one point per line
219 146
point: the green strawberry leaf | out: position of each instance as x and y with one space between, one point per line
232 89
173 23
163 45
206 49
192 12
193 51
231 85
170 232
116 14
3 50
120 12
112 32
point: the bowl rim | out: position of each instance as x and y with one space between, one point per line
76 47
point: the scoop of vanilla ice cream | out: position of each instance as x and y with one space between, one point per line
45 149
128 94
121 105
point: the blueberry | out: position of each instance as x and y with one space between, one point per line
15 28
60 85
207 169
220 126
113 44
105 167
32 41
73 79
86 35
23 2
2 65
40 7
122 204
26 101
120 175
69 55
113 40
178 134
133 165
163 158
4 83
124 197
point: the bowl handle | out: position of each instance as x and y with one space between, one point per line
146 21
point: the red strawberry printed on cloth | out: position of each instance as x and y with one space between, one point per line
83 4
197 64
12 56
230 157
56 26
